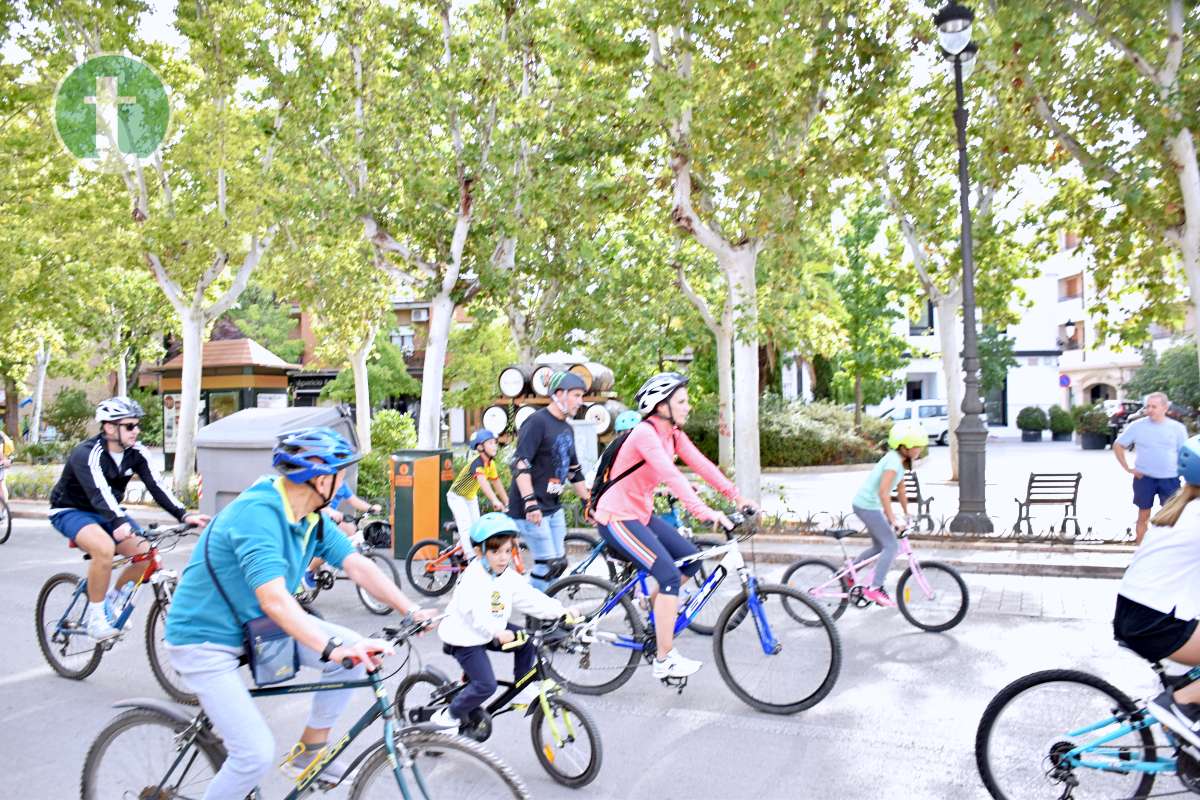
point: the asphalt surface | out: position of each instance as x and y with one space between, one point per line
900 723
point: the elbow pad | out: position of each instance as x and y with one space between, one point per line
522 467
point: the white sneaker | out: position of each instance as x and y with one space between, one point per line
443 720
99 629
675 666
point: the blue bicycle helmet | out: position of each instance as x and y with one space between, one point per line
294 453
626 420
493 523
481 436
1189 461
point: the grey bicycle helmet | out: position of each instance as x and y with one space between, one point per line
115 409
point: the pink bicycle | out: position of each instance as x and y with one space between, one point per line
931 595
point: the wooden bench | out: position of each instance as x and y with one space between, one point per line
1050 489
912 490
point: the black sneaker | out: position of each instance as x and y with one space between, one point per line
1182 718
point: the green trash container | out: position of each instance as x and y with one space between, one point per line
419 481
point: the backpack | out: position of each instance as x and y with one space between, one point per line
604 479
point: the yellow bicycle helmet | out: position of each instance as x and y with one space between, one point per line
907 434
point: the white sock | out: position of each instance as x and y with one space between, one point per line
96 608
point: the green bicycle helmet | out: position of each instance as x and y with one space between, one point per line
906 434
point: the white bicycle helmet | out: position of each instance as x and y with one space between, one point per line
118 408
658 389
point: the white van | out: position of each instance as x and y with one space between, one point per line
932 414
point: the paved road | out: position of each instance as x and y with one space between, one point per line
900 722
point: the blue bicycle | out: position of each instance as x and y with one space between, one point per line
775 647
1067 734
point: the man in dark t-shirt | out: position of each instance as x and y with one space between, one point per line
543 464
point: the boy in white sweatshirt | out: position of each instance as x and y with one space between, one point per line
477 618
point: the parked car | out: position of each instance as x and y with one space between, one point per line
1119 414
933 416
1177 411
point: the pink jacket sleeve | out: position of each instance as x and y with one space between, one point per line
707 470
663 469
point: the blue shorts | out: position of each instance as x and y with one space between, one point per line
1145 488
72 520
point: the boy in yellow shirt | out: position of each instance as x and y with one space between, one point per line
479 474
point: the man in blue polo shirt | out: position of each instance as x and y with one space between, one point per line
1156 440
256 550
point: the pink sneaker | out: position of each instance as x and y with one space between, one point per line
879 596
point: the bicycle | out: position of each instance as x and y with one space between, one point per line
939 603
62 634
5 518
556 725
175 755
374 529
602 653
433 565
1076 735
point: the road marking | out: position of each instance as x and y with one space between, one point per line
29 674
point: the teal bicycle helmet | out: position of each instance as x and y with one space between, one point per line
493 523
626 420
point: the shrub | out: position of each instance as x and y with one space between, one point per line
795 434
151 434
390 431
70 413
1032 418
1061 421
1092 419
32 484
44 452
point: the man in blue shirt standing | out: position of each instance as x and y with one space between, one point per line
1156 440
256 550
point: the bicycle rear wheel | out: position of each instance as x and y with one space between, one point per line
428 578
771 660
935 599
368 600
578 547
61 618
1032 723
814 577
419 690
609 655
5 522
138 752
156 651
567 743
442 766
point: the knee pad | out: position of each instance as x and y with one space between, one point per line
551 567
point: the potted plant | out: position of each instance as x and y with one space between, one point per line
1032 421
1092 425
1062 424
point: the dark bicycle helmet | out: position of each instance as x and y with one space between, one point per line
293 455
565 382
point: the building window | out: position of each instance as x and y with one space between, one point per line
1070 287
922 325
403 338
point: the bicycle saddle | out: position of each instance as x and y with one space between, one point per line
839 533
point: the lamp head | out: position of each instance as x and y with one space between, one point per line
954 27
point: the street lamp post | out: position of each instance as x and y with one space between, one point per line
954 32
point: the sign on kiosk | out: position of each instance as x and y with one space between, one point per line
171 404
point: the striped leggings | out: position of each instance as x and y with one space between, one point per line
654 546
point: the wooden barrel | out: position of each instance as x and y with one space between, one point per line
599 415
523 413
514 380
598 377
539 381
495 419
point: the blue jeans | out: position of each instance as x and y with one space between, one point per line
546 541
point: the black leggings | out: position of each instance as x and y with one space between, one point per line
655 547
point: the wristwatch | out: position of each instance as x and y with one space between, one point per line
333 644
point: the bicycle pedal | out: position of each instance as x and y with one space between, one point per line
676 683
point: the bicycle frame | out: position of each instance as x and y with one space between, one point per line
440 564
731 560
832 588
306 779
153 574
1115 759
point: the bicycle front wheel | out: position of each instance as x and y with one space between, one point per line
815 577
442 766
160 665
932 597
427 575
5 522
606 655
567 742
386 566
1029 728
138 752
61 618
772 660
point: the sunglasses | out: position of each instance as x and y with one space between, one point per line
130 426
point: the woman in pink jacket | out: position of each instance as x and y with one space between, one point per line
625 510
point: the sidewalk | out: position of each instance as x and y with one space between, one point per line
980 557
